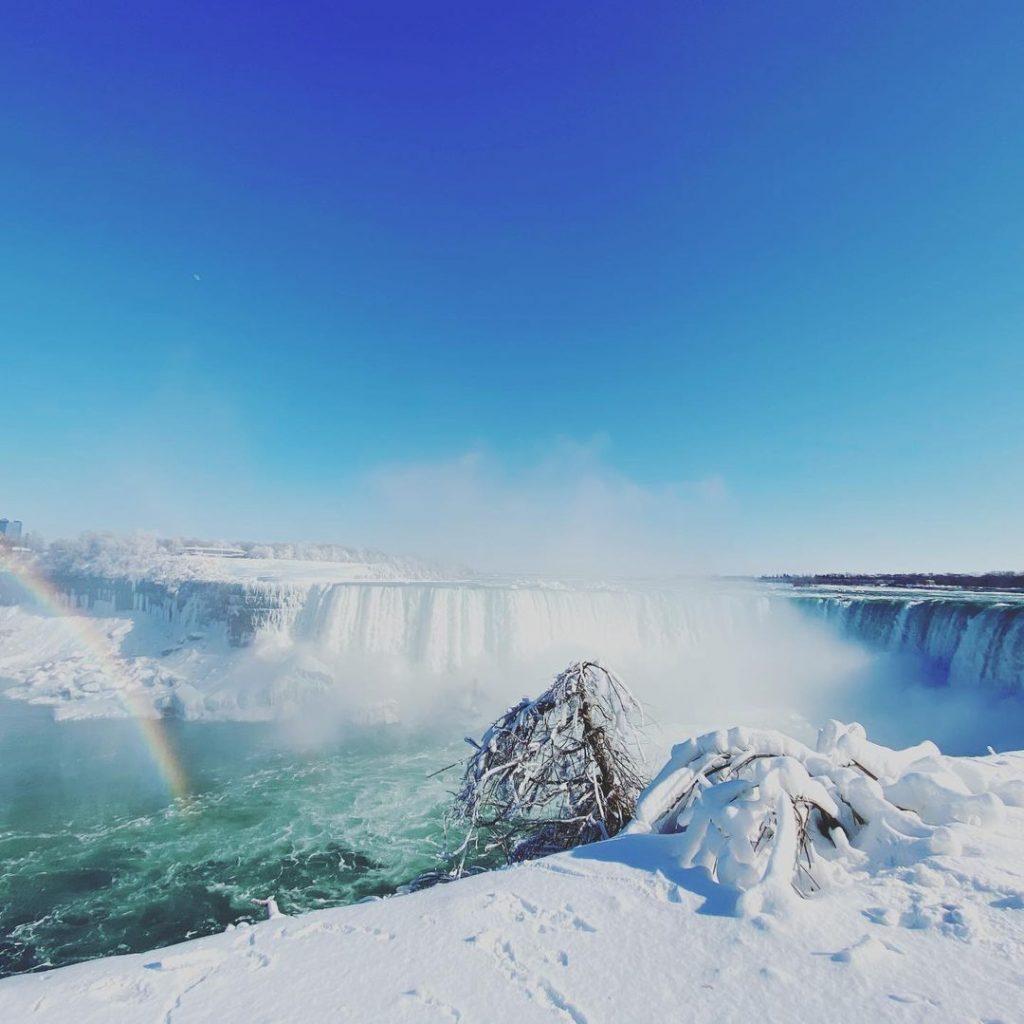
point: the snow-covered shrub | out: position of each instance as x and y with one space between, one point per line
109 555
766 814
553 772
145 556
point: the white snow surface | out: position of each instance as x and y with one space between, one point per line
145 557
621 931
293 571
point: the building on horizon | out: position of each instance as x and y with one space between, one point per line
11 529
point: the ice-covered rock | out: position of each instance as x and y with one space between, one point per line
185 701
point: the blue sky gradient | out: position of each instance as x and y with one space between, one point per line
750 277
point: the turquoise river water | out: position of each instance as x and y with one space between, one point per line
95 859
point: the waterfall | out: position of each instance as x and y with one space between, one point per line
438 628
444 627
963 640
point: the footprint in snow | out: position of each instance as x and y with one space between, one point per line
445 1010
864 950
120 990
882 915
912 1000
1012 902
186 961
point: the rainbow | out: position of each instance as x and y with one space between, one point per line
86 631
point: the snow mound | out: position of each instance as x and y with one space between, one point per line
765 814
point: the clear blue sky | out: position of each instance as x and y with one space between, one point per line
273 273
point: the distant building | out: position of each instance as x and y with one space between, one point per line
10 530
211 552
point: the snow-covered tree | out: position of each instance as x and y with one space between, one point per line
553 772
768 815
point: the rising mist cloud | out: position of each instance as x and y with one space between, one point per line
568 511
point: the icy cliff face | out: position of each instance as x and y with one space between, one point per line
963 639
241 609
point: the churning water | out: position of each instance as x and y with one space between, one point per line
96 860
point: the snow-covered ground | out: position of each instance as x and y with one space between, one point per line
146 557
110 666
618 931
289 571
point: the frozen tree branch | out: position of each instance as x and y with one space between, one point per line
553 772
